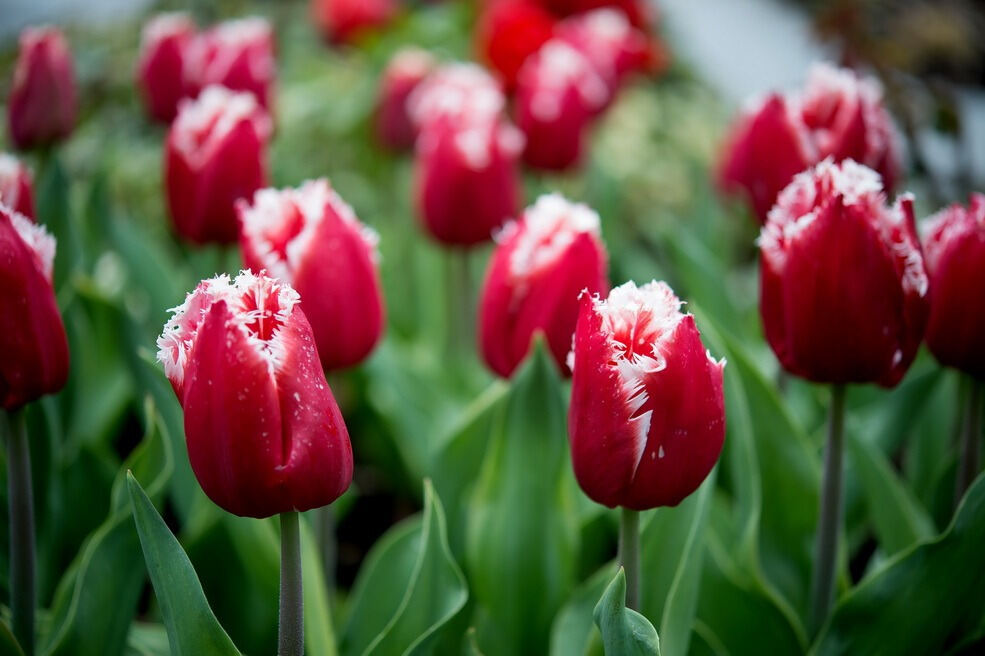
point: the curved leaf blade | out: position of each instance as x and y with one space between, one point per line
624 631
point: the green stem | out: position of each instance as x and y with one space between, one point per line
971 438
459 285
829 517
629 555
21 498
290 637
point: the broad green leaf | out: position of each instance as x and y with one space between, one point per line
624 631
918 598
192 627
105 575
54 211
8 643
574 625
147 640
522 531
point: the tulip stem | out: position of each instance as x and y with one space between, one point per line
290 637
21 498
829 516
971 438
629 554
459 303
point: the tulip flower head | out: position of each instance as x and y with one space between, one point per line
345 21
33 346
16 186
43 99
647 416
310 238
954 244
264 433
161 65
541 264
215 155
405 71
508 32
236 54
843 284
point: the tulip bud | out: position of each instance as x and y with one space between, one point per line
310 238
345 21
403 74
33 347
955 249
160 68
455 94
541 264
264 433
639 12
508 32
42 105
647 416
16 186
558 93
237 54
215 155
843 289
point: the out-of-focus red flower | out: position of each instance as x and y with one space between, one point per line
508 32
838 115
639 12
264 433
236 54
344 21
215 154
33 347
310 238
16 186
843 284
542 263
955 252
647 416
161 65
43 100
558 94
403 74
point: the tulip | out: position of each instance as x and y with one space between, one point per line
215 155
454 94
311 239
236 54
345 21
160 67
42 105
838 115
639 12
16 186
541 264
406 70
558 94
508 32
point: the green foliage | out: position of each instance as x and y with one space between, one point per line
624 631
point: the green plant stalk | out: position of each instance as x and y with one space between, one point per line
829 516
971 438
21 498
629 555
459 320
290 635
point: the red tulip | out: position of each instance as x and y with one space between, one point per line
639 12
42 105
508 32
455 94
843 284
215 155
310 238
160 67
236 54
344 21
557 95
16 186
264 433
406 70
839 115
647 416
540 266
955 250
33 347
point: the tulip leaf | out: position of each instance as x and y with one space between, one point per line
192 627
104 575
624 631
522 530
904 607
574 626
54 211
8 643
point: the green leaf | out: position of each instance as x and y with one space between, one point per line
192 627
147 640
54 211
573 627
522 532
8 643
624 631
104 575
913 604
